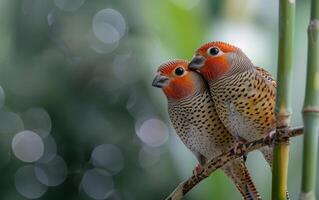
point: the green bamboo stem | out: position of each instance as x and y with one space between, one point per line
283 110
311 108
280 160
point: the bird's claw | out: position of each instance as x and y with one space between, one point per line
198 169
268 138
240 141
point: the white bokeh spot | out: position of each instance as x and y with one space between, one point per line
153 132
109 157
109 25
101 47
37 120
27 184
97 184
148 157
51 173
27 146
10 122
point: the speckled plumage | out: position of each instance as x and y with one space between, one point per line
245 103
196 122
244 95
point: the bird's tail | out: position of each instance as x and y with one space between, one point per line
238 172
268 155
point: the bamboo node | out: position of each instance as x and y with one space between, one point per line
314 24
283 120
311 109
282 140
305 195
313 29
281 136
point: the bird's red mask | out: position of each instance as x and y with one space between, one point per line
176 80
213 59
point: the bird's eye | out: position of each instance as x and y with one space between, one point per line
213 51
179 71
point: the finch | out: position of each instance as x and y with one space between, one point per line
244 95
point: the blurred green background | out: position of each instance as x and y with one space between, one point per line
79 118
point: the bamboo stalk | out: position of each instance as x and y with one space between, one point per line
311 108
283 111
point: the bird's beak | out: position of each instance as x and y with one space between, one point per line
196 63
160 81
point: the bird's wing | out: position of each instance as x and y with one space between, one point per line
264 73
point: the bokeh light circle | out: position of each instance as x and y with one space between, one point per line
107 33
51 173
153 132
27 146
10 122
148 157
100 47
37 120
50 149
109 25
27 184
97 184
109 157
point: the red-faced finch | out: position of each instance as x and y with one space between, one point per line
244 95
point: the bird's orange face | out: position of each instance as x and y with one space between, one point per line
176 80
213 59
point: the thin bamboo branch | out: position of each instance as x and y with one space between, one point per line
311 108
219 161
283 111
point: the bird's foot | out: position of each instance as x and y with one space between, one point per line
240 141
198 169
269 137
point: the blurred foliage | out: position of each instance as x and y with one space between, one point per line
49 58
